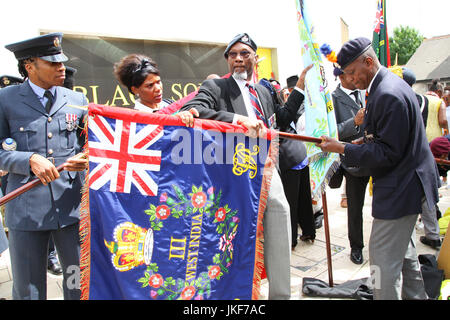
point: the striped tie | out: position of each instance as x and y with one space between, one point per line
256 105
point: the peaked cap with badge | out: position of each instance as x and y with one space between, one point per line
9 81
47 47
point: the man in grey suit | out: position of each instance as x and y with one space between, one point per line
39 116
397 155
349 110
230 100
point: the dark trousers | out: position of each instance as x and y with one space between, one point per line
356 191
29 255
297 188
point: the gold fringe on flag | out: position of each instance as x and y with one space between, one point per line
85 228
269 167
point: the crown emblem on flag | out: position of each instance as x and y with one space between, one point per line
132 246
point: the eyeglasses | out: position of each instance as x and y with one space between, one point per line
244 54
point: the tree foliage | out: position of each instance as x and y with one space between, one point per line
405 42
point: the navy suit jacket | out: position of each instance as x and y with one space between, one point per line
23 118
396 150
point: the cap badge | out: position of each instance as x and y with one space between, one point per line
56 42
244 38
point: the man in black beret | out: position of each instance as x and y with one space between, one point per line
37 114
229 100
70 77
396 153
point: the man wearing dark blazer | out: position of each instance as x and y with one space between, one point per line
43 119
294 172
229 100
396 152
349 110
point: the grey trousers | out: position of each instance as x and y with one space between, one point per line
277 241
430 222
395 269
29 252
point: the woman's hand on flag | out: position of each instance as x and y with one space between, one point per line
187 117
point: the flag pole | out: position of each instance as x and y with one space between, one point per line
327 239
324 204
30 185
294 136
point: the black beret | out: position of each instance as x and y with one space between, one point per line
70 71
47 47
337 71
245 39
9 80
69 81
291 81
351 50
408 76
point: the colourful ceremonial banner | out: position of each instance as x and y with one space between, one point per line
319 112
172 212
380 40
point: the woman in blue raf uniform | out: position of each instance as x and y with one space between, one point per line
40 117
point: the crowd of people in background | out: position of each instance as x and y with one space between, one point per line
292 213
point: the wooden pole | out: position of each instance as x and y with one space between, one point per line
442 161
299 137
17 192
327 239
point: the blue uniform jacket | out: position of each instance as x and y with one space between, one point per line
396 150
23 118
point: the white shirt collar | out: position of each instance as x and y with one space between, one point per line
347 91
371 82
241 83
142 107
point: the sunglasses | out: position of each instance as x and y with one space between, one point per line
244 54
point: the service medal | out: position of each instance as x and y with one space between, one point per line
71 121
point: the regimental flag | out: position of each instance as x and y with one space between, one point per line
171 212
319 111
380 40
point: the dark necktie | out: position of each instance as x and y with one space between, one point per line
256 105
49 103
357 98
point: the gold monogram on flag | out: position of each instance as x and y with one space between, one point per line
243 160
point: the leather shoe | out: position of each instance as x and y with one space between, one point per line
356 256
307 238
55 268
435 244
